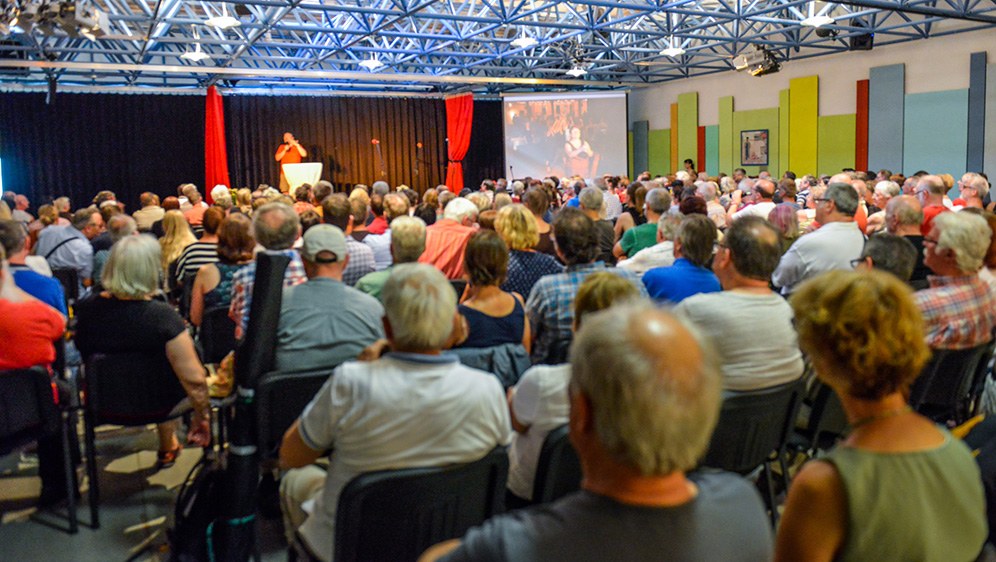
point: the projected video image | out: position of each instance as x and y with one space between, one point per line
565 137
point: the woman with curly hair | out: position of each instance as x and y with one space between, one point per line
898 487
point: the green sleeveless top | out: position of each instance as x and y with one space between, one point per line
919 506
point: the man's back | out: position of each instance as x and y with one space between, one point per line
726 521
831 247
958 312
404 410
66 247
445 243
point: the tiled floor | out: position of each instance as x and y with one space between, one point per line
136 502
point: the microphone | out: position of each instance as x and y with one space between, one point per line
418 145
374 141
511 172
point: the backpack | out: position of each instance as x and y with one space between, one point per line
198 506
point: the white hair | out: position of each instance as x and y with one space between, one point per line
407 239
968 235
591 199
682 175
459 209
219 190
652 411
888 188
133 268
707 190
420 305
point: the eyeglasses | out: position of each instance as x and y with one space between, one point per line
931 241
856 262
821 200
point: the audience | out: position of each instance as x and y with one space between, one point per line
538 203
930 191
119 226
657 204
689 274
203 251
446 240
903 217
177 236
890 253
413 407
660 254
213 284
592 204
41 287
898 487
407 244
337 211
68 247
492 316
641 415
149 213
394 205
517 227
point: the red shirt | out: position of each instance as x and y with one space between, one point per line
377 226
929 212
445 243
27 330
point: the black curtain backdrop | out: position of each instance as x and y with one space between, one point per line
83 143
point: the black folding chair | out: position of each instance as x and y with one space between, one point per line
280 398
70 280
826 423
948 385
558 471
394 515
753 431
129 389
27 413
216 334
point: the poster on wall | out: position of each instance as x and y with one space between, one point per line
754 148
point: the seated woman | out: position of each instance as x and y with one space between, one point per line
898 487
539 403
493 316
517 227
632 215
177 236
124 318
213 284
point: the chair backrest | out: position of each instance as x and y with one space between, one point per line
459 286
559 352
507 361
186 294
27 408
394 515
70 280
135 388
752 425
216 334
944 387
280 398
826 415
558 471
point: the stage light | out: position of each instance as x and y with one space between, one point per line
81 18
525 42
197 55
814 20
576 71
372 64
224 21
758 62
671 50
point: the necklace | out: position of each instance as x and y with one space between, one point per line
881 416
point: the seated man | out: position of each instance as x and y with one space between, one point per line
660 254
46 289
446 240
688 275
395 205
732 318
323 321
336 210
959 308
889 252
411 408
407 244
641 416
68 247
656 205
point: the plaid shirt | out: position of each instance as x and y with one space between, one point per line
551 304
242 284
361 261
959 312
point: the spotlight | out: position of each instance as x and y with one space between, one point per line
758 62
224 21
524 42
79 18
372 64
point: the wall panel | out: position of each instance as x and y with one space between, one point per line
804 100
939 140
836 142
886 96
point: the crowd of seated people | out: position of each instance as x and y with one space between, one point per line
695 289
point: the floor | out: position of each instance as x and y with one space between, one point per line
136 506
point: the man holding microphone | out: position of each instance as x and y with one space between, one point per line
290 152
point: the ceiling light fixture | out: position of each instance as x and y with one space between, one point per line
576 71
197 55
671 50
524 42
224 21
372 64
814 20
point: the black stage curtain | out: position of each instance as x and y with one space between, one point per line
338 132
485 158
83 143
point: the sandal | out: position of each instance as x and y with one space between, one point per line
166 459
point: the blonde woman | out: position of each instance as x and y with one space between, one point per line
517 227
177 237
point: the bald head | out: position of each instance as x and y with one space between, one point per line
765 189
903 215
653 407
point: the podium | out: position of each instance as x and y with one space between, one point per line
298 174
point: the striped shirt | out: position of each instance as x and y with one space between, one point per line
959 312
194 256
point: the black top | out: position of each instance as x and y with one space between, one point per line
606 241
109 325
485 330
918 280
102 242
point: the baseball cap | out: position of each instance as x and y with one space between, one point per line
324 238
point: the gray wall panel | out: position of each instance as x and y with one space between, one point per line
886 100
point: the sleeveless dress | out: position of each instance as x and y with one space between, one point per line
489 331
221 295
923 505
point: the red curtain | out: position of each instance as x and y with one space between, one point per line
459 117
215 155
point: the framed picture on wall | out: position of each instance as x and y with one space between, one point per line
754 147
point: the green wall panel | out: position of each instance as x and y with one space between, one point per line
688 127
659 151
936 137
803 126
629 154
836 143
712 150
754 120
726 144
783 131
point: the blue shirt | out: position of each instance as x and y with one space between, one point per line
46 289
679 281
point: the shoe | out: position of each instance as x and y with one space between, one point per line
166 459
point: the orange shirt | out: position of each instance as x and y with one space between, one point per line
292 156
27 330
445 242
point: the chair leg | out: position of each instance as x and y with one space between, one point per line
68 467
91 467
771 495
786 479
